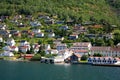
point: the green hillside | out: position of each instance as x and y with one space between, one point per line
65 9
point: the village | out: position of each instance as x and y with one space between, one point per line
32 38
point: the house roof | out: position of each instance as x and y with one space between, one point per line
22 41
99 48
10 39
36 45
96 26
74 35
81 44
13 31
23 47
78 55
80 51
13 47
27 55
115 49
61 45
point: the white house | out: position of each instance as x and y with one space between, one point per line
54 51
62 55
14 48
51 51
47 47
81 46
7 48
36 48
1 39
61 47
118 45
106 51
24 49
64 27
3 27
35 31
65 53
35 23
50 35
108 36
10 42
23 43
7 53
73 36
39 35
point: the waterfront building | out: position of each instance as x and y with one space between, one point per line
106 51
74 58
103 60
63 55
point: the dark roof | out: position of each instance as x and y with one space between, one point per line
22 41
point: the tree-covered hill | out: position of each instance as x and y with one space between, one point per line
65 9
115 6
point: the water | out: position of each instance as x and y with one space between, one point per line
38 71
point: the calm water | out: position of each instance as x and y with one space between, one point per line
38 71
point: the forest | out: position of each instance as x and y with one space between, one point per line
64 9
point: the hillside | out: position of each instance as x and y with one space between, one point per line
65 9
115 6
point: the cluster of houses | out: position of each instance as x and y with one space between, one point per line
74 52
23 47
78 49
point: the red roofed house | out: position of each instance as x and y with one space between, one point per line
14 48
30 34
24 49
27 56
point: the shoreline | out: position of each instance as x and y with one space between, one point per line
82 63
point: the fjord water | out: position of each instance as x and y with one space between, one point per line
38 71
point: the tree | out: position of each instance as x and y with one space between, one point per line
86 39
36 57
39 42
97 55
116 36
110 42
80 20
41 52
31 49
84 57
2 44
93 20
99 42
28 52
